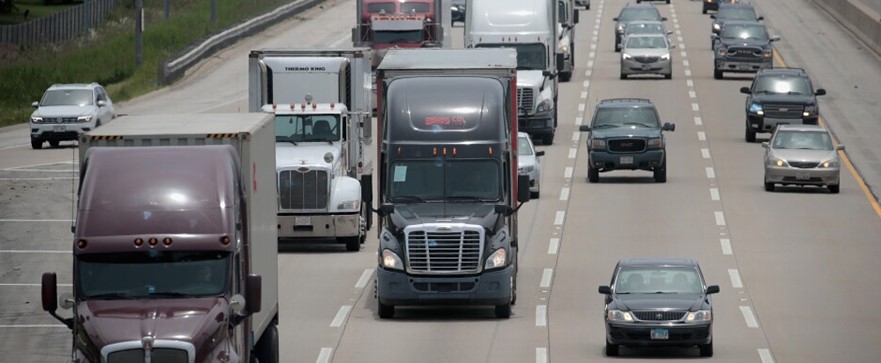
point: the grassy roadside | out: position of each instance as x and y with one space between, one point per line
107 54
34 9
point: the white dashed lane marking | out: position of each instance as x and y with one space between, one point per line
561 216
546 278
553 246
720 218
698 121
765 356
735 278
726 246
714 194
711 174
340 317
541 315
324 355
749 317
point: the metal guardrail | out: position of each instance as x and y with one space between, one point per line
59 27
858 17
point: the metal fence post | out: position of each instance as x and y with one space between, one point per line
139 30
213 11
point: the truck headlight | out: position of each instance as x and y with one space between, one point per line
525 169
86 118
620 28
756 108
655 143
716 26
768 53
722 51
565 49
810 110
543 106
700 315
618 315
349 205
391 261
497 259
831 163
596 144
36 119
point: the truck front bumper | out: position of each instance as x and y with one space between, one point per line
489 288
757 123
537 124
319 226
605 161
742 66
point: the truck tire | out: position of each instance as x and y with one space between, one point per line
660 173
749 135
834 188
717 73
385 311
353 244
565 76
36 143
706 349
547 139
503 311
266 349
54 143
593 174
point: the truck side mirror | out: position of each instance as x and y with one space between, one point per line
367 189
522 188
49 292
668 127
575 17
386 209
712 289
820 92
584 128
560 60
253 291
744 90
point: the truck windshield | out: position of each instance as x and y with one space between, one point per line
529 56
152 274
434 180
391 37
300 128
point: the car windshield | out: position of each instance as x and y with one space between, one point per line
783 85
802 140
646 28
67 97
157 274
438 180
529 56
625 117
302 128
658 280
523 146
736 13
756 32
644 42
630 14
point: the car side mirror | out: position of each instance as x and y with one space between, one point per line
575 17
540 153
745 90
101 103
605 290
840 147
765 144
672 46
615 19
712 289
775 38
36 104
820 92
664 18
584 128
760 18
668 127
712 16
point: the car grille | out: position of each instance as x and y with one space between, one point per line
60 120
164 355
783 111
626 145
646 59
659 315
525 99
803 164
302 189
440 252
747 53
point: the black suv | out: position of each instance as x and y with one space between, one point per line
659 302
732 11
780 96
742 47
626 134
634 12
714 4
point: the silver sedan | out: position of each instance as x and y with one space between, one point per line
528 163
802 155
646 54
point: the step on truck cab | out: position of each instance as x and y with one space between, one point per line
448 184
529 26
174 246
320 101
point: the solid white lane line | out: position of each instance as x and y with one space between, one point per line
341 316
720 218
567 173
765 356
692 94
736 282
541 355
711 174
35 251
698 121
726 246
324 355
564 193
695 107
554 246
43 170
365 278
701 136
4 326
39 179
572 152
561 216
546 277
749 317
714 194
541 315
705 153
31 285
37 220
12 147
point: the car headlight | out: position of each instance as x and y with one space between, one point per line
86 118
700 315
665 56
810 110
620 28
349 205
390 260
36 119
756 108
543 106
626 56
722 51
655 143
778 162
596 144
526 169
831 163
768 53
618 315
497 259
716 26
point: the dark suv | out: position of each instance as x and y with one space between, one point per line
634 12
714 4
732 11
626 134
742 47
780 96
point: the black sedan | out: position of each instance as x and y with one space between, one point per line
659 302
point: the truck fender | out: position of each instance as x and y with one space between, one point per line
344 189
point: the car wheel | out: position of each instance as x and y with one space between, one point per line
623 76
749 135
353 244
36 143
834 189
769 187
593 174
706 349
661 173
534 195
669 75
717 74
704 10
54 143
385 311
668 1
611 349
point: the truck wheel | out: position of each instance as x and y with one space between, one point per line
36 143
611 349
54 143
266 349
565 76
717 73
623 76
706 349
503 311
704 10
547 139
386 311
661 173
353 244
749 135
593 174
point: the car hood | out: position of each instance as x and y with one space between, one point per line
637 302
784 98
288 155
64 111
194 320
646 52
804 155
737 42
530 78
482 214
526 160
626 131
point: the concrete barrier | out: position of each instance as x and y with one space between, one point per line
173 67
860 19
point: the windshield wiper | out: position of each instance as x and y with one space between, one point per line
637 124
169 294
111 295
604 126
407 198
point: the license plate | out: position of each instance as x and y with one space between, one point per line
802 176
646 67
303 221
626 160
59 128
660 334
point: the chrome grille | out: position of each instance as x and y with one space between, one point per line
626 145
644 59
525 99
659 315
745 52
804 164
444 249
164 355
783 111
303 189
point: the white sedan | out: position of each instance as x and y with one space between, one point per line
529 163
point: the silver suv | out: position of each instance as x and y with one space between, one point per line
68 110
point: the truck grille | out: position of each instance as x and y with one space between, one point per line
659 315
626 145
783 111
164 355
804 164
444 249
745 53
525 99
302 189
646 59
